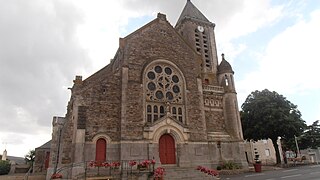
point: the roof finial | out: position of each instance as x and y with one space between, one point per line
222 56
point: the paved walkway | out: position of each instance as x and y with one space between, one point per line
20 176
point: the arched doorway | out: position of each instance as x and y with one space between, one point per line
101 153
167 149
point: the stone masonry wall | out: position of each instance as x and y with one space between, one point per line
156 41
102 98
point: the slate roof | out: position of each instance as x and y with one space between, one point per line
191 11
224 66
46 145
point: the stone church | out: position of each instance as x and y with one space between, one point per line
163 96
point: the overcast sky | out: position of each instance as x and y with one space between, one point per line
45 44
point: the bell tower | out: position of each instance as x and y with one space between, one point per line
198 31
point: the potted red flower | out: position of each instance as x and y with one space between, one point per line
144 165
158 173
211 172
56 176
132 163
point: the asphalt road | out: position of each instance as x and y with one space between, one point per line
308 172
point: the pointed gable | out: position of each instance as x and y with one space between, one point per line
192 12
157 34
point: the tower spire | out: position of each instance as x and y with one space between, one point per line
192 12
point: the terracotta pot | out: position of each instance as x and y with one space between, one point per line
257 167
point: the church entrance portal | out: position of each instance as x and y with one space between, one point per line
167 150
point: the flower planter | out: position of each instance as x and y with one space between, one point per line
142 168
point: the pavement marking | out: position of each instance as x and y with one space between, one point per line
296 175
270 179
315 173
290 170
252 175
314 166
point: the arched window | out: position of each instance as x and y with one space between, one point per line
226 80
180 114
161 111
101 150
149 113
174 112
164 89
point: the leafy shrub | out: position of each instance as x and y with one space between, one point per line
4 167
219 168
230 165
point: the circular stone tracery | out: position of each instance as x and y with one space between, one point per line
163 84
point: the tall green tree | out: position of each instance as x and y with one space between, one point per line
310 137
29 158
267 114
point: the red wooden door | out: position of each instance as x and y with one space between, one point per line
167 149
101 146
46 162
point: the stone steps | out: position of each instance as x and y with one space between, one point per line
105 174
178 173
171 173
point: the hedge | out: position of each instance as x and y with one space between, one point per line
4 167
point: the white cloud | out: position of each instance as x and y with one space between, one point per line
104 20
231 50
318 116
251 17
39 56
101 30
18 144
290 63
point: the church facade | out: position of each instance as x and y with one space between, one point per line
164 96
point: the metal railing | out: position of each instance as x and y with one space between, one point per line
112 169
210 88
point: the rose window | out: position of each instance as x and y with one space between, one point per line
163 85
164 93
